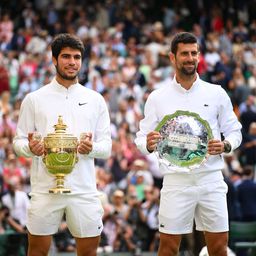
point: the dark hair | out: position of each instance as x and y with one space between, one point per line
66 40
182 37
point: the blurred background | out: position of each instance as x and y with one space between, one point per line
127 45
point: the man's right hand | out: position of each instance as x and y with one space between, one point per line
152 140
36 146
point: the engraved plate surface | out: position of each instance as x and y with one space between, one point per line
184 139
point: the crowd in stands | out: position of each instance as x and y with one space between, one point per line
127 45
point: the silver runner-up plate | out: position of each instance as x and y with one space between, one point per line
184 139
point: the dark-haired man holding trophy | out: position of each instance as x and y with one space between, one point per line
64 126
184 124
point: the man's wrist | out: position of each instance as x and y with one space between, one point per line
227 146
150 151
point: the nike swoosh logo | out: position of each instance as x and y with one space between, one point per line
81 104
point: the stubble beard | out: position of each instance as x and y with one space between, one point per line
186 72
64 76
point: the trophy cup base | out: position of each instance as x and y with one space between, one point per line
59 191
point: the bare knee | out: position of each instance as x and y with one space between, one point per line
37 252
169 245
217 243
219 249
167 250
38 245
87 252
87 246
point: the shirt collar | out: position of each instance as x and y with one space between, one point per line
59 87
181 89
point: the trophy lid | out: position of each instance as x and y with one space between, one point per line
60 130
60 127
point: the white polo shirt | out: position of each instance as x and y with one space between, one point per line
212 104
83 110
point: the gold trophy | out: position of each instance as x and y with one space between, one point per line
60 155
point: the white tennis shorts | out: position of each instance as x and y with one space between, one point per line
83 214
186 197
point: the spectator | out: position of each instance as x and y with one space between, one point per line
119 206
6 28
136 219
234 210
222 73
247 117
11 169
5 103
17 202
125 240
118 165
29 84
113 225
4 75
248 146
242 90
13 242
248 104
139 176
38 43
252 78
7 127
150 209
246 195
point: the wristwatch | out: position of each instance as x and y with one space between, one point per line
227 146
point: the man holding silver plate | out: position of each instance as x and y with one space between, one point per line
81 122
183 124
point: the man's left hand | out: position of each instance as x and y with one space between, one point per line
85 144
215 147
